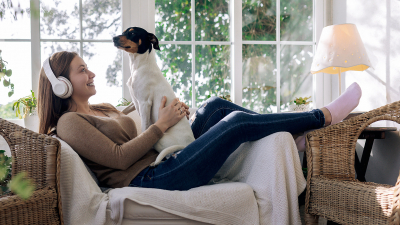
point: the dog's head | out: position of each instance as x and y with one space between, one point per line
136 40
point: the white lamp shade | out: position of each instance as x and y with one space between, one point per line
340 48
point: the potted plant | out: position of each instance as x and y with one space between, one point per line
123 102
29 114
300 104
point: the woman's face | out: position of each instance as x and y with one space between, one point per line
80 76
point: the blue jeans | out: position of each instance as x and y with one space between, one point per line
219 128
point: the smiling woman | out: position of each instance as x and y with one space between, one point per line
51 106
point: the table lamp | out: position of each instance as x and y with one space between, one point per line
340 49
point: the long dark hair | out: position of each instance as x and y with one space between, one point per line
51 107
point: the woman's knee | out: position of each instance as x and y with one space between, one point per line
215 101
236 116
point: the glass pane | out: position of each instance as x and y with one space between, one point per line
259 78
49 48
173 20
104 60
296 79
175 62
212 72
297 20
16 29
59 19
21 76
102 21
212 20
259 20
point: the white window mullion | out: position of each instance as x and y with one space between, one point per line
80 29
192 17
196 42
126 73
35 48
236 50
151 27
278 55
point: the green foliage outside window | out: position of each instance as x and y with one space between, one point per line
173 23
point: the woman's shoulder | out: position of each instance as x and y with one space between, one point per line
67 117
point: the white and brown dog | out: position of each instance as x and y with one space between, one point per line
147 86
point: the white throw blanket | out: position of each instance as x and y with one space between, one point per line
270 167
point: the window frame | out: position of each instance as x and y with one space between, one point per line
143 15
36 41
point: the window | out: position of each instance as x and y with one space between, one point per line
231 49
15 49
63 25
77 25
196 50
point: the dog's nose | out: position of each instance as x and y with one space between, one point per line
115 39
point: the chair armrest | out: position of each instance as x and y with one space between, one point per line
395 216
37 154
331 150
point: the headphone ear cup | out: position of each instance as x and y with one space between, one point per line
68 86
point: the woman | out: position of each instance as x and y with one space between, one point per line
107 140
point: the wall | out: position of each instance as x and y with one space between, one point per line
378 23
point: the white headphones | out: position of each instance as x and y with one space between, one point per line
62 87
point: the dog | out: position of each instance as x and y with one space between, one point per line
147 86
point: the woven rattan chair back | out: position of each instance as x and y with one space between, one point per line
39 156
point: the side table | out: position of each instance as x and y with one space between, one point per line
369 134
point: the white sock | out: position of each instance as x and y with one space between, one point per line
339 109
346 102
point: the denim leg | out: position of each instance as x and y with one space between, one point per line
196 164
211 112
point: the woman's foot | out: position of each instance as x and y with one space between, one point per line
336 111
342 106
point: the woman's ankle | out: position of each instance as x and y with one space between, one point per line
327 115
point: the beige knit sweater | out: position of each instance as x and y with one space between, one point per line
109 145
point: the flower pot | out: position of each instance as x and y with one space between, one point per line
299 108
32 121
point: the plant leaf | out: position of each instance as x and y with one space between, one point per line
8 73
21 185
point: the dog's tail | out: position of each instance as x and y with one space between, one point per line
165 152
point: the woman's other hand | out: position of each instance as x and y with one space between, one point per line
186 110
169 115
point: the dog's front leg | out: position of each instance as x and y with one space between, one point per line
145 111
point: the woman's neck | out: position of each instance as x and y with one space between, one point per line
81 107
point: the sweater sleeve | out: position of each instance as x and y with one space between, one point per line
92 144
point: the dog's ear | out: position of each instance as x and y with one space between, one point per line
153 39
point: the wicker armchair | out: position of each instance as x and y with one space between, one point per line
39 156
332 190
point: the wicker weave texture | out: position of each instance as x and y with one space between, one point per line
39 156
332 190
365 203
40 208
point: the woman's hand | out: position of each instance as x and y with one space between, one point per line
169 115
186 109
